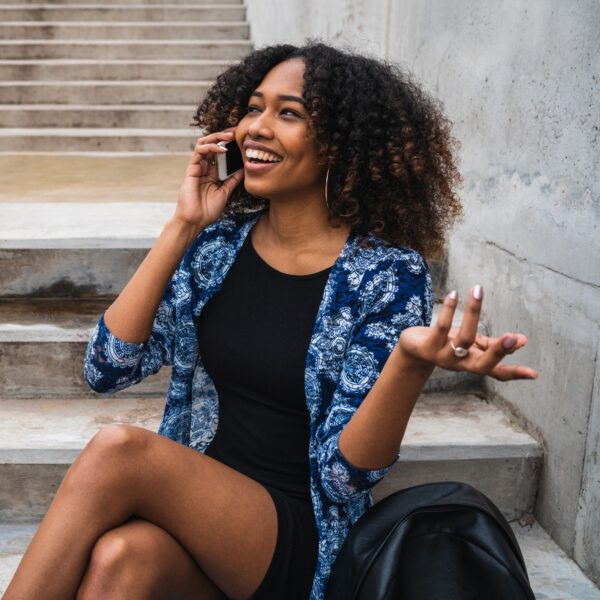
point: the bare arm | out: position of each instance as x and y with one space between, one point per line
372 437
131 315
201 202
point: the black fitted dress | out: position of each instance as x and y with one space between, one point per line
253 338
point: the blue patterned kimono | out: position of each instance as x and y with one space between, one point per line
373 292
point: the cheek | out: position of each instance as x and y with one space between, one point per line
311 154
308 160
241 129
240 134
302 152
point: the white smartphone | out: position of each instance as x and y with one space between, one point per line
231 161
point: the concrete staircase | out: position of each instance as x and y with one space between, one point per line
93 94
113 76
95 106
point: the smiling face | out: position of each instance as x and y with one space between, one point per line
278 122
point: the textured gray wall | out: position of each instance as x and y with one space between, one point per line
521 81
363 24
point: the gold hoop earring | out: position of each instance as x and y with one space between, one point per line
326 182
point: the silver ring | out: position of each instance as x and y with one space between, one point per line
458 351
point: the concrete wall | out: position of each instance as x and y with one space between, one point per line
521 81
362 24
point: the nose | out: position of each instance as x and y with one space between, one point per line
261 126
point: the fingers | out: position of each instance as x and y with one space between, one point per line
489 362
206 148
510 372
213 138
441 329
482 341
486 353
208 151
467 332
230 183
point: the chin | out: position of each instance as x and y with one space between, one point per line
256 189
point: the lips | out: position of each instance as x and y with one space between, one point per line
257 155
257 168
260 147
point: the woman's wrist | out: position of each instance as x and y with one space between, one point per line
183 229
411 364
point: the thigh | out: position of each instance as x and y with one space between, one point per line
225 520
140 560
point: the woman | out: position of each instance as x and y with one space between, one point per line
325 294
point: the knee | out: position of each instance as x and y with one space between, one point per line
114 445
113 553
114 567
117 439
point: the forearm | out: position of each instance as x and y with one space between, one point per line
372 437
131 315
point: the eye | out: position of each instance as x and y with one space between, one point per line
292 112
253 108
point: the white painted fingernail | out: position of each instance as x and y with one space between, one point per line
453 295
477 292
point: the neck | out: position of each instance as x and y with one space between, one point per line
293 225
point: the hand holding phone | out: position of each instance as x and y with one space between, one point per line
202 198
231 161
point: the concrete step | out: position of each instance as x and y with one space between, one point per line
552 574
129 116
32 468
86 178
172 30
66 230
58 236
60 327
462 437
449 437
123 49
115 69
80 139
57 328
98 12
103 92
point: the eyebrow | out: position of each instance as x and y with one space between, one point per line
281 97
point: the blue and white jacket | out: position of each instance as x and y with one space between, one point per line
374 291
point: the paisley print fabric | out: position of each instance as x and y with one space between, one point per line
374 291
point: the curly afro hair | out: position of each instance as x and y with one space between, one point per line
387 143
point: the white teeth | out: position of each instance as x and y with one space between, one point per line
251 153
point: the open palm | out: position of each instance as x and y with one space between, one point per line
433 345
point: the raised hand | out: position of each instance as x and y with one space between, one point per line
463 348
202 197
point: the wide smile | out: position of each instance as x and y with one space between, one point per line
259 160
259 167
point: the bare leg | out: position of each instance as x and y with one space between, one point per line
140 561
226 521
